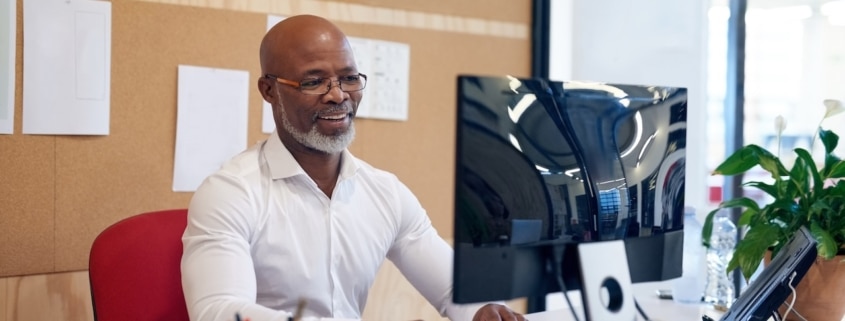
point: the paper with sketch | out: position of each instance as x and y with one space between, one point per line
66 67
8 24
211 122
268 125
387 66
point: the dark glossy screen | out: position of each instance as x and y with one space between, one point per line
542 161
585 161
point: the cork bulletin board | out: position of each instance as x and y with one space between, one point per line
57 193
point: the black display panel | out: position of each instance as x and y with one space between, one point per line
543 165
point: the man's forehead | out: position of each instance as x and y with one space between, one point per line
306 28
312 61
314 50
306 40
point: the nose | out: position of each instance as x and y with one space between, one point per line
335 95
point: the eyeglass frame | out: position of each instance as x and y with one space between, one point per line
298 85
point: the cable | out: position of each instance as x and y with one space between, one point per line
557 253
799 315
789 308
565 296
642 312
791 305
558 261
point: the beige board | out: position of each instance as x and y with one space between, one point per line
58 192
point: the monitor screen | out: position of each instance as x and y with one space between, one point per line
544 165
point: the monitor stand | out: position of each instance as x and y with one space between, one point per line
606 282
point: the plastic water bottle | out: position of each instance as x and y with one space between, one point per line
689 288
720 288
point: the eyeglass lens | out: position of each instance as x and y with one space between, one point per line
323 85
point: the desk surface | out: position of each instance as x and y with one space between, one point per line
645 293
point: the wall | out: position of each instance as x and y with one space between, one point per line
59 192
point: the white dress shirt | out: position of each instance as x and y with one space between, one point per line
261 235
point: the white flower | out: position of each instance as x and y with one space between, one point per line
832 107
780 124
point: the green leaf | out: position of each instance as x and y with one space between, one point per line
707 228
785 209
751 249
772 164
748 157
820 205
740 202
811 167
835 170
767 188
798 178
826 245
829 139
830 161
745 218
788 188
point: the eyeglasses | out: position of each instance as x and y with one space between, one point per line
321 86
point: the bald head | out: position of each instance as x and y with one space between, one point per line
304 49
298 36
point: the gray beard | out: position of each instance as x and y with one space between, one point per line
316 140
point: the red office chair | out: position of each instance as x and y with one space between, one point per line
134 268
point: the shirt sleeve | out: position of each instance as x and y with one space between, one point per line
218 277
425 259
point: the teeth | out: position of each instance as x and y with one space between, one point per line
334 117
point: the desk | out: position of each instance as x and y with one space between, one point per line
645 293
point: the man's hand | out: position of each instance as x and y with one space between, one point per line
497 312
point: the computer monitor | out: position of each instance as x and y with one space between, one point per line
542 166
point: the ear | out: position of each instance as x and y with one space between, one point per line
266 90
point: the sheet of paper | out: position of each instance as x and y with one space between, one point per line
387 65
211 122
8 16
67 67
268 125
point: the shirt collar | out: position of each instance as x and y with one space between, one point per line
283 165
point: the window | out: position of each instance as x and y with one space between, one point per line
795 58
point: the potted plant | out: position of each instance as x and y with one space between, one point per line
804 195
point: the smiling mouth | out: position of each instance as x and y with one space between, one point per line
333 117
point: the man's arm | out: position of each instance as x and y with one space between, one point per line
425 259
218 277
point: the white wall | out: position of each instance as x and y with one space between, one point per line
645 42
560 40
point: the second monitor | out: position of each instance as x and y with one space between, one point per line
544 165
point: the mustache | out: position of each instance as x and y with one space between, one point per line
339 108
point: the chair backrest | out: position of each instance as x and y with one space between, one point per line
134 268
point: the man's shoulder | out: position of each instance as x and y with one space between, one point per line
383 181
243 164
369 171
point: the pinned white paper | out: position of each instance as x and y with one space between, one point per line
67 67
387 65
8 25
211 122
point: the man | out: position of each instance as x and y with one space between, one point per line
297 217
